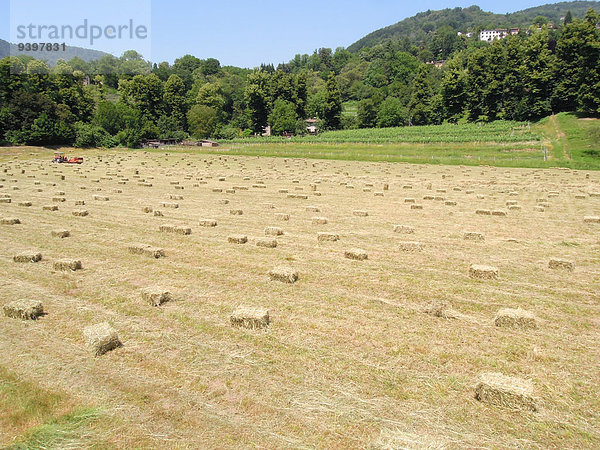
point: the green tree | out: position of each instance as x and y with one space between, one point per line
145 93
367 113
454 92
203 121
391 113
283 117
257 99
420 111
175 102
332 105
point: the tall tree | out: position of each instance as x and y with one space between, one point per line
175 103
257 99
332 106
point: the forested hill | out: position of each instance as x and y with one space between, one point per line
415 29
85 54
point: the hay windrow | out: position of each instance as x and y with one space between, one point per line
250 318
25 309
508 392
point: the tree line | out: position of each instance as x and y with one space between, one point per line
122 101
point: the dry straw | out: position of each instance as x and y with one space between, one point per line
207 223
284 274
327 237
101 338
273 231
62 233
146 250
156 296
515 318
28 257
404 229
10 221
508 392
251 318
562 264
237 239
24 309
473 236
67 264
265 242
483 272
356 254
411 246
440 309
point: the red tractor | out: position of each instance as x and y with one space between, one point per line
59 157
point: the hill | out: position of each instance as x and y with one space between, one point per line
417 27
6 49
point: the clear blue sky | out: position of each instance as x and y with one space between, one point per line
246 33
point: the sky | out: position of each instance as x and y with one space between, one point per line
236 32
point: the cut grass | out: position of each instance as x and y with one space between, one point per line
33 417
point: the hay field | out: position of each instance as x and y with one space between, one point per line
383 352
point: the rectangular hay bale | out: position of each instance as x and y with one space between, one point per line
251 318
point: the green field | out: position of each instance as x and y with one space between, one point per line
563 140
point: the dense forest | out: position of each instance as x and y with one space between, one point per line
548 67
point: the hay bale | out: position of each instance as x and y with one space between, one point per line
539 209
50 208
80 212
284 274
101 198
25 203
410 200
5 200
327 237
25 309
67 264
28 257
356 254
223 201
562 264
177 229
440 309
473 236
591 219
237 239
428 197
360 213
273 231
411 246
175 197
236 212
319 220
79 202
170 205
158 213
515 318
509 392
404 229
265 242
207 223
10 221
282 216
450 203
313 209
147 209
62 233
514 207
156 296
483 272
416 206
59 199
251 318
146 250
483 212
101 338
